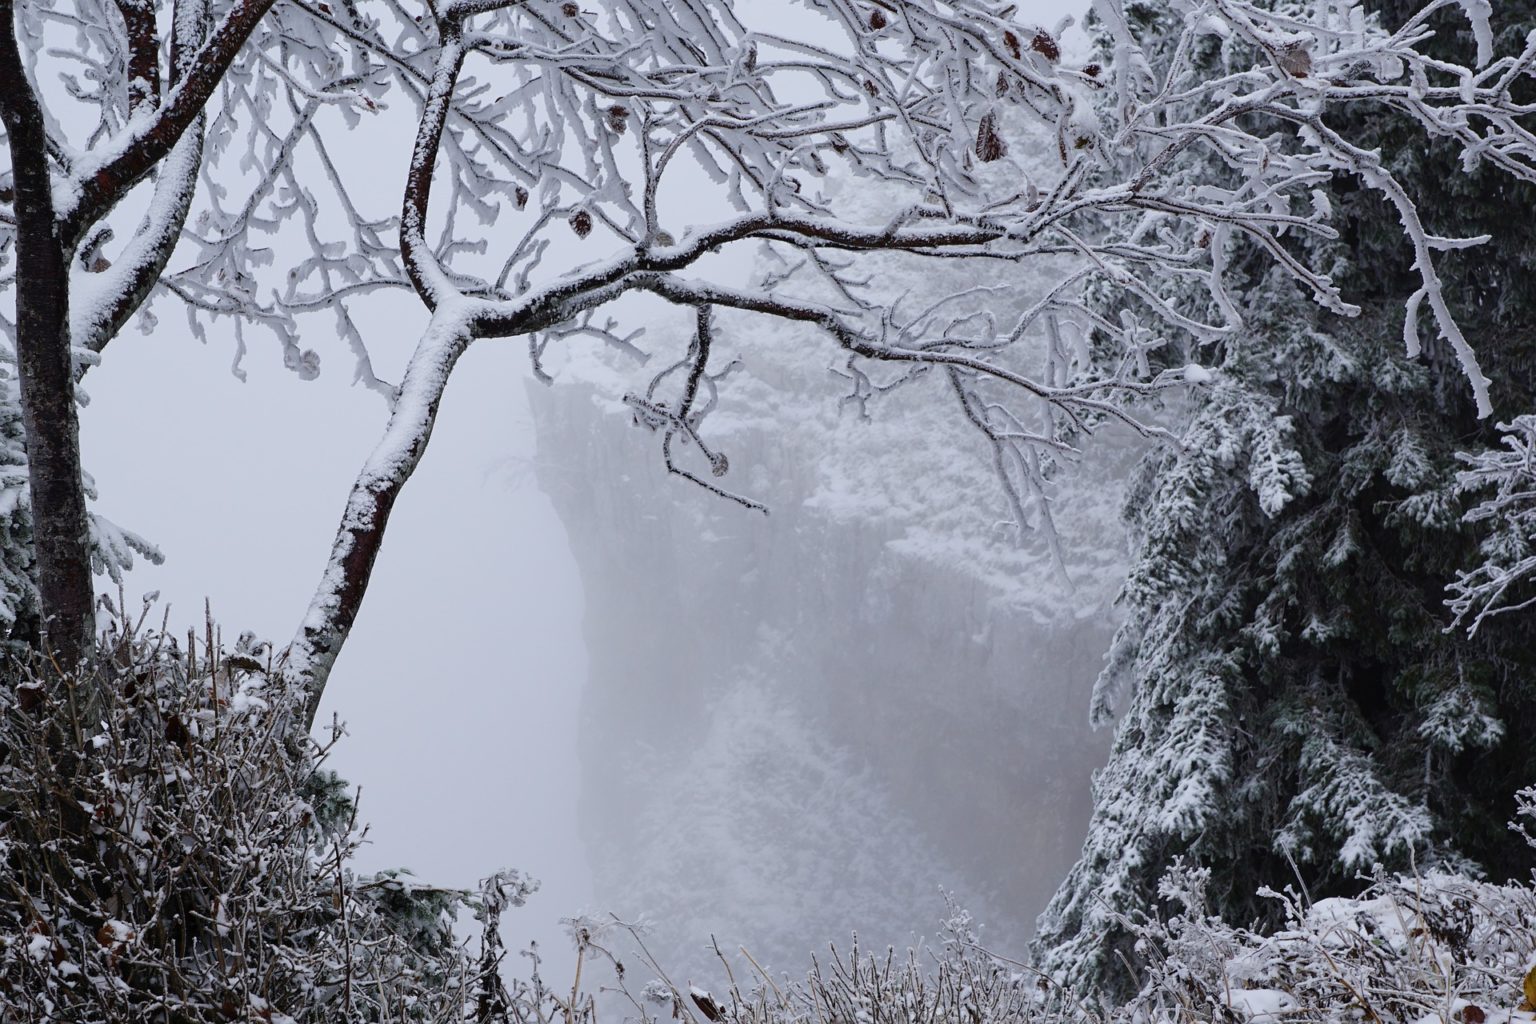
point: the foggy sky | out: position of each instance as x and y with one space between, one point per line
459 685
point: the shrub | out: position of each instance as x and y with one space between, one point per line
173 849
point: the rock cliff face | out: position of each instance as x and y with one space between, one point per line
802 724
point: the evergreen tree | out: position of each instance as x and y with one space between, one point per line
1294 703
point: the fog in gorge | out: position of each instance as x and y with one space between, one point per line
806 723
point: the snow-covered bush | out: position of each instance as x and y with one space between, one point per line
173 849
1436 948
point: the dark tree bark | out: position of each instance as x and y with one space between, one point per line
61 532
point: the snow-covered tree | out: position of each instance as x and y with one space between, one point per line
1291 701
566 156
658 134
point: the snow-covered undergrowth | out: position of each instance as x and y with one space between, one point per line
173 850
1431 949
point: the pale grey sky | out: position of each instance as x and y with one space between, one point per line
460 684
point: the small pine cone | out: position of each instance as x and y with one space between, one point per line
989 144
1012 42
1046 47
877 19
618 118
719 465
870 87
520 197
1002 83
581 223
570 10
749 62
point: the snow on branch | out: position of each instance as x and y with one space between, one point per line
569 154
1502 583
898 135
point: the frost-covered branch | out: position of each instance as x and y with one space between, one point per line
1503 582
900 134
567 155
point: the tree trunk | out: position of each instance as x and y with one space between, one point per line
339 596
61 532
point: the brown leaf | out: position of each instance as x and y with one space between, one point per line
1471 1014
241 663
114 933
176 732
989 144
1012 42
29 696
711 1008
1295 60
1045 46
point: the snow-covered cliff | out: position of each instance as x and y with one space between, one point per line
808 722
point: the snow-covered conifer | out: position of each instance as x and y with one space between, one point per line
1288 699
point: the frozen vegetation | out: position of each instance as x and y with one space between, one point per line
935 391
214 885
